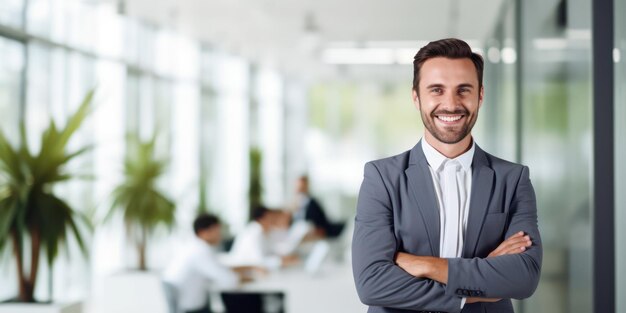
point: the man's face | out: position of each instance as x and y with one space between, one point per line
449 98
302 186
211 235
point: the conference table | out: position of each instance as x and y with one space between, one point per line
329 289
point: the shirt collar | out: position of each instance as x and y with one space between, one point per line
201 243
435 159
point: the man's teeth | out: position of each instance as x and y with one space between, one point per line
450 118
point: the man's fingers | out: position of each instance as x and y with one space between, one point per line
518 234
515 244
515 241
517 249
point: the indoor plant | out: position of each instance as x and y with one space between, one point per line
143 206
29 208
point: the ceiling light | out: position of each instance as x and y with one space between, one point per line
508 54
493 54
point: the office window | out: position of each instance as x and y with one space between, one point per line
11 74
296 124
38 92
230 77
270 132
12 13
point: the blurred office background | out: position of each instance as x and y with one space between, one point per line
318 87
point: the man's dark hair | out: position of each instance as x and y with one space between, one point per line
204 221
450 48
258 212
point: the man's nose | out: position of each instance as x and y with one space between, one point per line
450 101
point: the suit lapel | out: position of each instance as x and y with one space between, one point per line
482 184
423 195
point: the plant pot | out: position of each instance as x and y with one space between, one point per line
74 307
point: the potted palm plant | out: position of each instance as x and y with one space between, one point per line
143 206
32 216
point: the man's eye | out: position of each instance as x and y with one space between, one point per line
436 90
463 90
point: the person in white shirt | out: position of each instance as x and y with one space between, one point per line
194 272
252 246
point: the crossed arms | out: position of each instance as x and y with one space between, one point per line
437 268
386 277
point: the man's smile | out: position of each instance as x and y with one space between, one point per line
449 119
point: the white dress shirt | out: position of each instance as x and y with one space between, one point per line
195 272
252 247
452 179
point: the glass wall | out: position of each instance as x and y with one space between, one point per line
619 57
557 146
499 111
538 96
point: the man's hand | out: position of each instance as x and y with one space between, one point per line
248 273
289 260
515 244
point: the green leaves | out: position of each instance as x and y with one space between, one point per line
142 205
26 203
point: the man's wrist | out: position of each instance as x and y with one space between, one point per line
424 266
436 269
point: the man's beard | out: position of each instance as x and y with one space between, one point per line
449 137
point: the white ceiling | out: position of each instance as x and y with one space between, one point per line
273 32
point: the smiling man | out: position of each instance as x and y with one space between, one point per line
445 226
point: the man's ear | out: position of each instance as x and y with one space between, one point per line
416 99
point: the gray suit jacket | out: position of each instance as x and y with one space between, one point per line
398 211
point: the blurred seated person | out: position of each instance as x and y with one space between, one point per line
192 274
287 236
252 246
308 209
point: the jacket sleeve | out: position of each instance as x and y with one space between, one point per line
379 281
507 276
